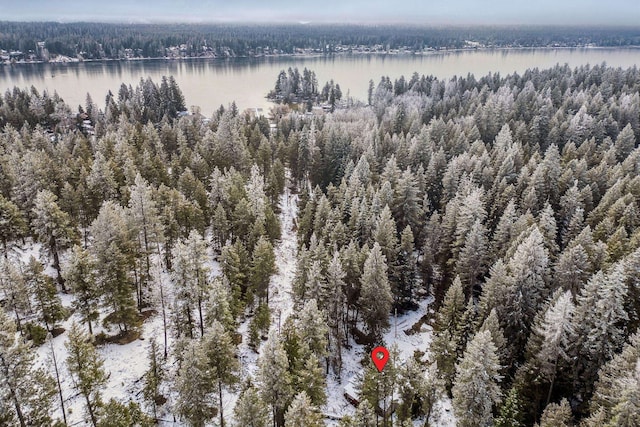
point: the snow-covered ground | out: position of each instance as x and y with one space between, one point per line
126 364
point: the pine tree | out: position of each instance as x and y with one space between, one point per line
195 386
273 377
471 263
263 266
80 277
555 334
48 304
219 306
614 391
86 368
375 297
221 360
12 224
154 377
145 226
14 291
406 269
476 389
445 343
27 391
113 252
312 381
190 276
335 299
250 410
116 414
556 415
236 266
302 412
53 228
312 329
510 413
365 416
599 323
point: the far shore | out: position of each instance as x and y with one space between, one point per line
426 52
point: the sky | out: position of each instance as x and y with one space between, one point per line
433 12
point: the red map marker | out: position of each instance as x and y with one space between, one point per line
380 357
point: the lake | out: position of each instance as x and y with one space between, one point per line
210 83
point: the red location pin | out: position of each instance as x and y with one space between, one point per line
380 357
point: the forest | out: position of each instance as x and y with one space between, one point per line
117 41
504 210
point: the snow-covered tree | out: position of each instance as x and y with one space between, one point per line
274 380
28 391
556 415
250 410
145 225
190 276
375 297
263 266
476 389
112 250
87 372
12 224
53 227
302 412
47 303
222 364
195 386
80 277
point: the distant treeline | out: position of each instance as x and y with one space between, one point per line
110 41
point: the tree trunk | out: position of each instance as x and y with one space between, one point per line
56 262
12 392
220 397
91 410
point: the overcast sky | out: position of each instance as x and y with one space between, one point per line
562 12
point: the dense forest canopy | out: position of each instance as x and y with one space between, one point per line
100 41
512 201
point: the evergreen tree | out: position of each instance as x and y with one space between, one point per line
556 415
80 277
195 386
476 388
510 413
12 224
86 368
447 324
375 297
48 304
301 412
15 292
154 377
221 361
116 414
27 391
312 329
273 377
113 252
365 415
555 335
190 275
335 299
250 410
263 266
406 269
53 228
145 226
599 324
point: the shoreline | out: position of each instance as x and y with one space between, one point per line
431 52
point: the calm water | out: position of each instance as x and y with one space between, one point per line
210 83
